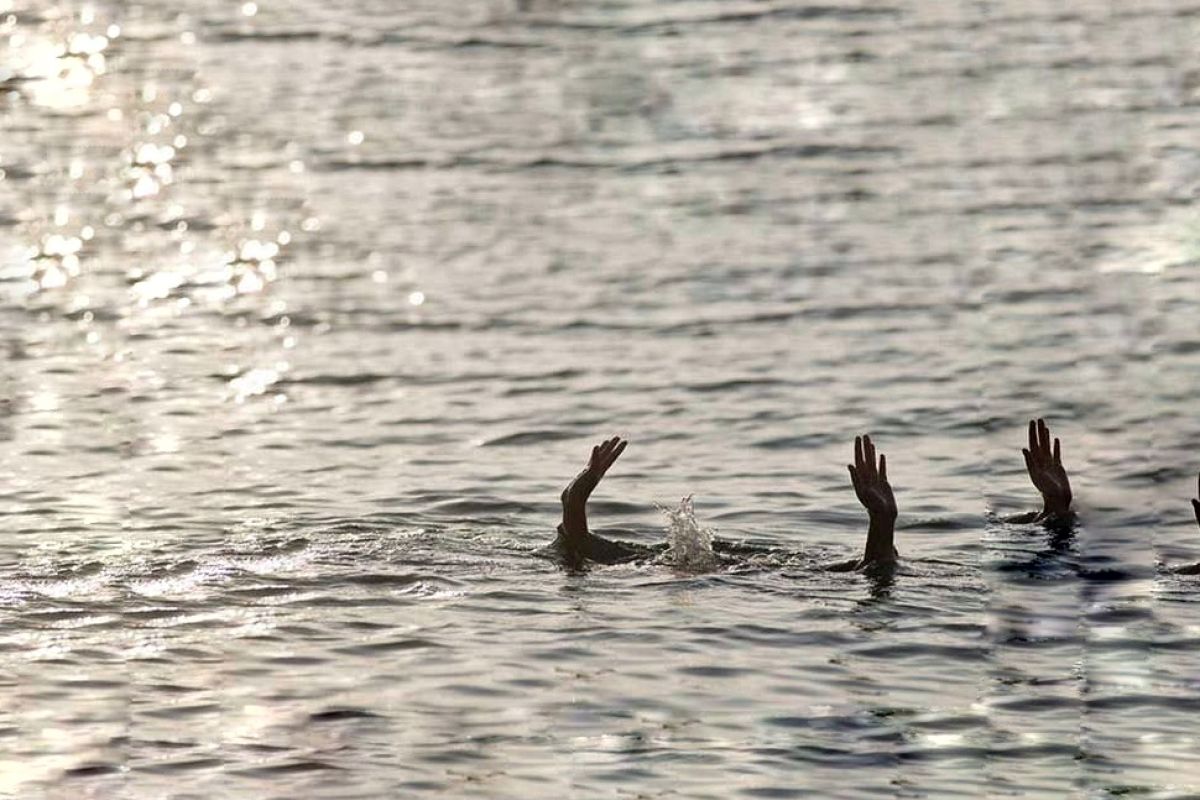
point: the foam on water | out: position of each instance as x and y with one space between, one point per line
689 544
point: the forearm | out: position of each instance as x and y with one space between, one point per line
574 521
881 539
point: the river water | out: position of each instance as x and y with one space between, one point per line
310 309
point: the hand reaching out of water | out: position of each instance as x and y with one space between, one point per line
1190 569
604 455
1046 470
871 482
875 493
1196 504
575 496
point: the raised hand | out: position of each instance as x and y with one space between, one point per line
575 496
1196 504
871 482
604 455
875 493
1045 467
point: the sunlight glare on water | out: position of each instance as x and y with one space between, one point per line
309 311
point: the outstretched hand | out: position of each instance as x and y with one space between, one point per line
1196 504
871 482
1046 470
604 455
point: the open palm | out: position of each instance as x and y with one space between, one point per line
1044 463
871 481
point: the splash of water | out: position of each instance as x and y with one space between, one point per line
689 544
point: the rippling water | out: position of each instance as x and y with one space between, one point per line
310 309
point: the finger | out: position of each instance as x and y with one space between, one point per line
1028 461
1196 508
1033 442
1198 487
616 453
1044 438
595 455
606 451
883 468
869 457
1057 452
853 477
858 452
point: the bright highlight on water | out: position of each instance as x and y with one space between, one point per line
309 312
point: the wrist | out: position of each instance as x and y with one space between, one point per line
1056 505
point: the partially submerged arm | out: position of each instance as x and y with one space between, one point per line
1044 464
875 493
1191 569
574 498
576 543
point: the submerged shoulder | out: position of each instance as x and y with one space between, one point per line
573 552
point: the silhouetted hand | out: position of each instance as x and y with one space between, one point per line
1046 469
575 496
871 482
604 455
1196 503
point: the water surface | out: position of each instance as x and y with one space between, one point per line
310 310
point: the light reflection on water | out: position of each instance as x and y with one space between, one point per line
309 312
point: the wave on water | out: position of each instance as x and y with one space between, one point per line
689 545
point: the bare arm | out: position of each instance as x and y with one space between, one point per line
1045 467
1190 569
574 527
875 493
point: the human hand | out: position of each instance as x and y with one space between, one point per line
604 455
1196 505
1045 467
871 482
